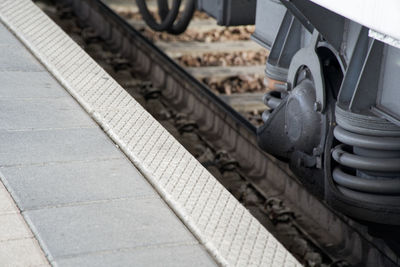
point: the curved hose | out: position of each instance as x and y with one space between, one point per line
163 8
182 23
168 18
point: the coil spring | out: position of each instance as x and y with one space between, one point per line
369 166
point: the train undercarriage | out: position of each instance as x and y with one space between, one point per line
333 110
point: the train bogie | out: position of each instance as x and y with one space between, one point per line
333 109
336 89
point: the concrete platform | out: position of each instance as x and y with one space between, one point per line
84 200
126 193
18 246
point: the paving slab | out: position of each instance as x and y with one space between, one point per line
27 114
78 192
24 84
13 227
172 256
107 226
17 58
7 38
14 56
64 183
37 147
22 252
17 245
7 205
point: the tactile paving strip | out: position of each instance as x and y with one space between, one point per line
215 217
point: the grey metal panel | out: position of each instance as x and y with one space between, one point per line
269 16
239 12
366 91
352 31
390 87
211 7
327 23
382 16
354 68
230 12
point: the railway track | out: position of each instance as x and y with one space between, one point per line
222 139
223 58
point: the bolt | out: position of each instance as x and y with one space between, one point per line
266 97
317 151
317 106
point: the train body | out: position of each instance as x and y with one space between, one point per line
333 112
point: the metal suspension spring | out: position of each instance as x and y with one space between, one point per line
369 166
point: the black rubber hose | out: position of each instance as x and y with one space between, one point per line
163 8
168 19
182 23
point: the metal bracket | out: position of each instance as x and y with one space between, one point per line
308 57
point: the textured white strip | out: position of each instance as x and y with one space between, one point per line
229 232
